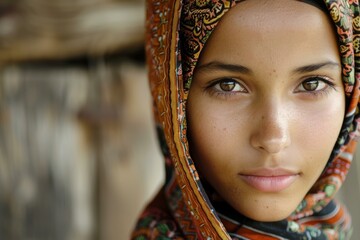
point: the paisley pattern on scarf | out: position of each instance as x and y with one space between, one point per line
177 31
198 20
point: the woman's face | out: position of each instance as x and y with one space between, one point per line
266 105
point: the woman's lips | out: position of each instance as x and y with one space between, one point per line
270 180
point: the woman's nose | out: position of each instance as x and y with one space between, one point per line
271 132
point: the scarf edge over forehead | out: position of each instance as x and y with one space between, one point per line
170 73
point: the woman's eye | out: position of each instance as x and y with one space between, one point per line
229 86
313 84
310 85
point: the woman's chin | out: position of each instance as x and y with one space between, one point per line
269 212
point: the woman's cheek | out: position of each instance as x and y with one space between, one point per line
316 131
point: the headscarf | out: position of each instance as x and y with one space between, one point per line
177 31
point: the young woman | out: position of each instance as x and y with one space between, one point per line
257 107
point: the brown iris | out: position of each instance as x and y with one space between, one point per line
227 85
310 85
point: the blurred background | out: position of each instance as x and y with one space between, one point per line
78 152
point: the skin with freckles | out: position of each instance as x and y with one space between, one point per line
266 105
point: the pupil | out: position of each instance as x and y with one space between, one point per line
310 85
227 86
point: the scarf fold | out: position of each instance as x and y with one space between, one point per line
177 31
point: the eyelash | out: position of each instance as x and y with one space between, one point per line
315 93
318 93
210 88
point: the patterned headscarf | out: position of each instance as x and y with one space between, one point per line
177 31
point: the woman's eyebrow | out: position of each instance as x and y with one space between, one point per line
216 65
317 66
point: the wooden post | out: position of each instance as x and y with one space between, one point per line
46 158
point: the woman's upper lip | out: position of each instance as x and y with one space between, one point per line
269 172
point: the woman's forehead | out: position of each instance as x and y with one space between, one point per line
278 31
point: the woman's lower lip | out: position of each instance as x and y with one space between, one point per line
270 183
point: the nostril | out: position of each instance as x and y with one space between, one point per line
271 132
270 143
